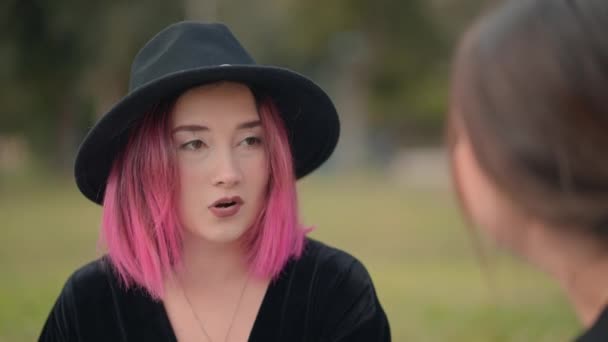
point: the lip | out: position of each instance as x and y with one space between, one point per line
228 211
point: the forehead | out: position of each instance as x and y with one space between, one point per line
223 101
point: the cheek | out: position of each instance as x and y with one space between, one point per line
191 181
264 174
256 172
487 208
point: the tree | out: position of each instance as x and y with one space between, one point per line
404 63
59 56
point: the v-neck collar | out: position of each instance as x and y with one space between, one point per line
268 314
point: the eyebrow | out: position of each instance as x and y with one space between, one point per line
197 128
249 124
189 128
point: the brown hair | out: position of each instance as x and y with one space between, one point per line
529 86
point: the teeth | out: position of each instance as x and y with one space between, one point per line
226 204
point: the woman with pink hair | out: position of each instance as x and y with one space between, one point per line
196 170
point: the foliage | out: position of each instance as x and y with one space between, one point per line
64 62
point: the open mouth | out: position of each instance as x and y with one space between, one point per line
225 204
226 207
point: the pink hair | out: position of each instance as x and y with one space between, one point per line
140 227
277 234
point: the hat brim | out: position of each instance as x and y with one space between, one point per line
310 118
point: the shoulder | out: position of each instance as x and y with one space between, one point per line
91 281
323 253
344 295
334 262
84 290
87 287
93 271
336 273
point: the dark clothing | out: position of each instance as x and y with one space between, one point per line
326 295
598 331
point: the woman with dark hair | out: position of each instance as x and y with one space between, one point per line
528 131
195 169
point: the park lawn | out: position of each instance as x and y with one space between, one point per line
411 240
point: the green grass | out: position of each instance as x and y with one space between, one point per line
411 241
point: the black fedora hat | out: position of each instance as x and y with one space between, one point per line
187 54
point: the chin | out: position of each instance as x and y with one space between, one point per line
221 235
224 239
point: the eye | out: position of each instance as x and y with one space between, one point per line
252 141
192 145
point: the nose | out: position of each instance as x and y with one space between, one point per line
227 172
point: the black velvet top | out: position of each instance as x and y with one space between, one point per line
326 295
598 331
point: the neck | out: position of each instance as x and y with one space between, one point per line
211 264
579 265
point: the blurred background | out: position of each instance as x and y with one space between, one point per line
384 196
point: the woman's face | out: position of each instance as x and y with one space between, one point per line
222 161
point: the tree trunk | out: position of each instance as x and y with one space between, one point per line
66 134
350 90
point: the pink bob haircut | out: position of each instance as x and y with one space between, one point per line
140 226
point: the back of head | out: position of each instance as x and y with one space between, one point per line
529 88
